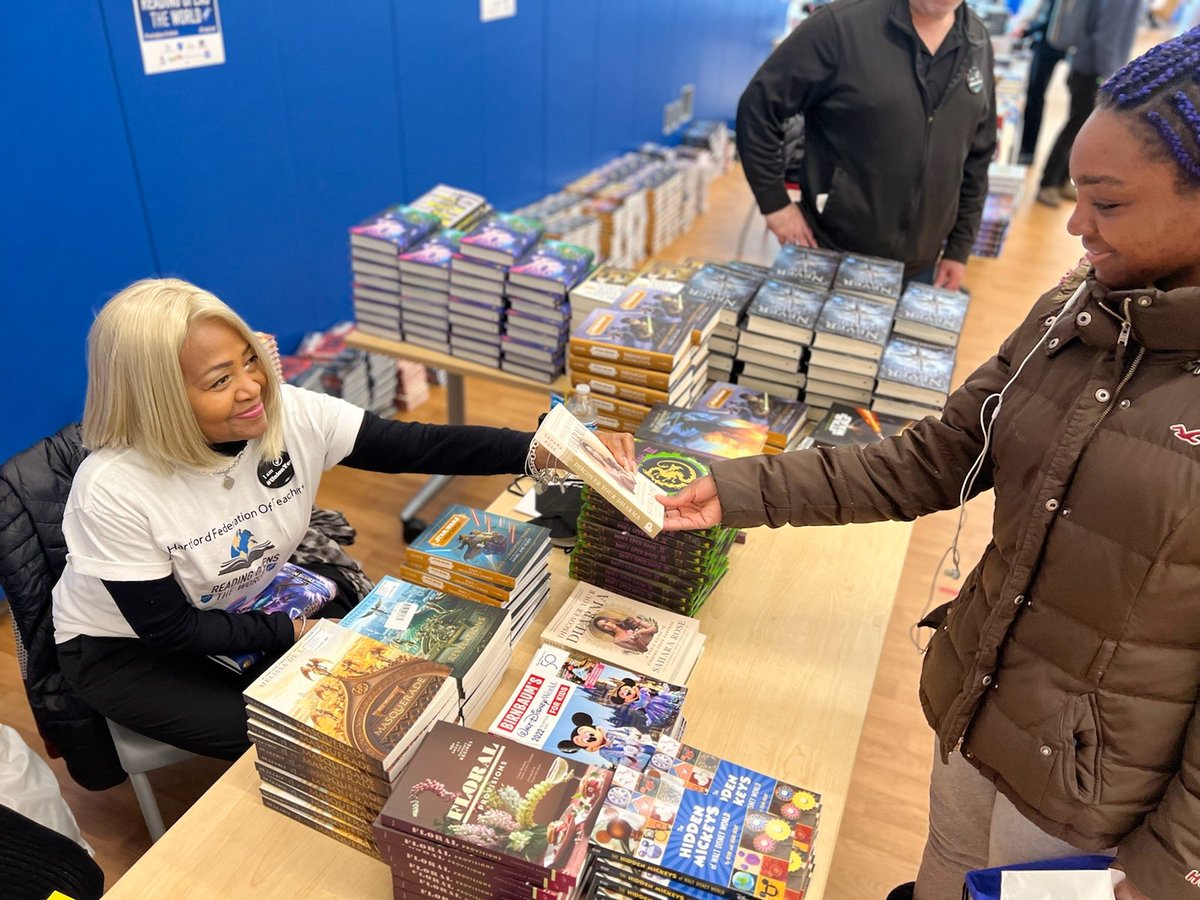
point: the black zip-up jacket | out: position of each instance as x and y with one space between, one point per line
903 175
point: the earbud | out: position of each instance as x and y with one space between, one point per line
953 572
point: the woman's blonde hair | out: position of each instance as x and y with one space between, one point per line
136 396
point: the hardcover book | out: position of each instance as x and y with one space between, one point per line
931 314
854 325
915 370
571 704
504 238
431 258
730 290
806 266
453 206
870 276
643 328
602 286
784 310
553 266
617 629
396 229
783 418
705 431
847 425
580 451
480 544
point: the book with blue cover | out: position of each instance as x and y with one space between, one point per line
480 544
806 266
553 266
870 276
503 238
394 230
854 325
783 418
785 310
915 370
431 258
708 822
931 314
729 289
705 431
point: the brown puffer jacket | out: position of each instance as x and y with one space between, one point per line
1069 665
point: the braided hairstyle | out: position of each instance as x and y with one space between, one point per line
1162 89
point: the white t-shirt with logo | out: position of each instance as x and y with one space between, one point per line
126 521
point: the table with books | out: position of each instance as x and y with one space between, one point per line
794 632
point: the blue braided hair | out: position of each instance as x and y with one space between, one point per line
1162 87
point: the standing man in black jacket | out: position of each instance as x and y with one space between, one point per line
900 125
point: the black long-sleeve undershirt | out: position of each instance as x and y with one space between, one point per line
161 615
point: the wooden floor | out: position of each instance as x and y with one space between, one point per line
884 828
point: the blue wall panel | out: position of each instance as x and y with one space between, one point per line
617 27
571 89
71 223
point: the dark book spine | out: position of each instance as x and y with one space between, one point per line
639 865
630 587
408 855
335 833
356 806
316 766
311 738
607 549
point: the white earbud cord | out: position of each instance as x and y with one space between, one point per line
968 484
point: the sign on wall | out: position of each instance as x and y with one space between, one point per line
178 34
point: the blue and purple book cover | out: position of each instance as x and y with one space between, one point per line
401 226
556 265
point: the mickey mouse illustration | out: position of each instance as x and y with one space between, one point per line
617 746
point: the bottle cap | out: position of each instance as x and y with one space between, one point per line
584 388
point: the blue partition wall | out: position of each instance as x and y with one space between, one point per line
243 177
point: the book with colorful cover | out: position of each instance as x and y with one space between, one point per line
598 713
353 691
427 623
870 276
711 823
603 285
395 229
453 206
846 425
294 590
806 266
581 452
553 266
480 544
517 806
706 431
502 238
783 418
643 327
728 289
620 630
432 256
931 314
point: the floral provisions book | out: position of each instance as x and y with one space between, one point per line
584 455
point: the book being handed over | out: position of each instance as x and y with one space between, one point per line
583 454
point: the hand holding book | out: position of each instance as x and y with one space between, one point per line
694 508
620 444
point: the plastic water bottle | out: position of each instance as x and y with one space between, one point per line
582 407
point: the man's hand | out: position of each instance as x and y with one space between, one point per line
696 507
949 274
789 227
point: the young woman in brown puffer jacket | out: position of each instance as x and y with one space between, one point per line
1063 684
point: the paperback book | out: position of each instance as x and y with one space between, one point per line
396 229
854 325
431 258
643 328
553 266
846 425
479 544
786 311
727 288
915 370
706 431
454 207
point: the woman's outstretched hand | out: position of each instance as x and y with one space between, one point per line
696 507
620 444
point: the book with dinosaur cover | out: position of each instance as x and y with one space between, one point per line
595 712
705 431
580 451
931 314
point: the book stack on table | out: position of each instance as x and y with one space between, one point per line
664 186
1006 186
365 379
480 817
425 289
484 557
539 315
335 720
857 426
563 219
599 290
375 244
620 207
759 832
473 639
412 385
731 290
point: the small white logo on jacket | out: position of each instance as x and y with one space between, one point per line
1187 435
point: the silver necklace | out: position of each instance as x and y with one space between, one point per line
226 473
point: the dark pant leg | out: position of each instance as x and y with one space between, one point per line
1041 69
1083 100
186 701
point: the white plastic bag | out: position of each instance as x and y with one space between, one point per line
29 787
1025 884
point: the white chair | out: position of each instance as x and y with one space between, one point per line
139 755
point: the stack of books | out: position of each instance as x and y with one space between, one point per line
854 426
476 817
849 338
335 720
664 186
784 418
713 136
1006 185
484 557
620 207
454 207
758 832
374 246
473 639
649 347
574 704
870 277
806 266
675 570
539 315
365 379
563 219
425 289
913 378
730 291
931 314
613 628
300 371
603 285
700 169
412 385
773 345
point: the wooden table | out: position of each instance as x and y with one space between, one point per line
794 635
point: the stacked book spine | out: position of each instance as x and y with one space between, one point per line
412 386
731 290
375 244
425 290
365 379
1006 186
